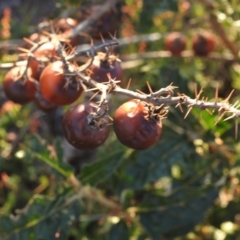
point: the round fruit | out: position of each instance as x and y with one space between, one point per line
43 104
65 24
104 65
136 124
46 50
35 37
35 67
72 42
18 88
58 88
175 42
203 43
82 129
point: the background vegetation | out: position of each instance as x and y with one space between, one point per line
184 187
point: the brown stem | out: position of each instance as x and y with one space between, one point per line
93 18
218 28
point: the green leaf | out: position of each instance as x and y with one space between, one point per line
42 218
54 159
156 162
119 231
178 214
102 169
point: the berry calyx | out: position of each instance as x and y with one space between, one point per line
137 124
84 127
105 65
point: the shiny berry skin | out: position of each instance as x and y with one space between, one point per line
65 24
46 50
35 67
203 43
64 28
103 65
175 42
35 37
80 131
134 127
43 104
17 88
58 88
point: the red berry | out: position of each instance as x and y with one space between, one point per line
46 50
64 27
103 66
18 88
65 24
134 125
82 130
175 42
58 88
35 37
43 104
203 43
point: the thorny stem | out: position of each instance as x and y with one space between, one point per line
93 18
13 44
156 54
90 52
157 98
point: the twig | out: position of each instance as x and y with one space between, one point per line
157 98
136 56
14 44
90 51
185 54
218 29
139 38
93 18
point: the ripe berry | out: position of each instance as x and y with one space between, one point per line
58 88
65 24
35 37
17 87
175 42
103 65
43 104
136 124
64 28
46 50
83 128
203 43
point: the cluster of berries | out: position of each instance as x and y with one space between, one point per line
202 43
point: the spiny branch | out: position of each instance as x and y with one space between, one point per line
165 97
